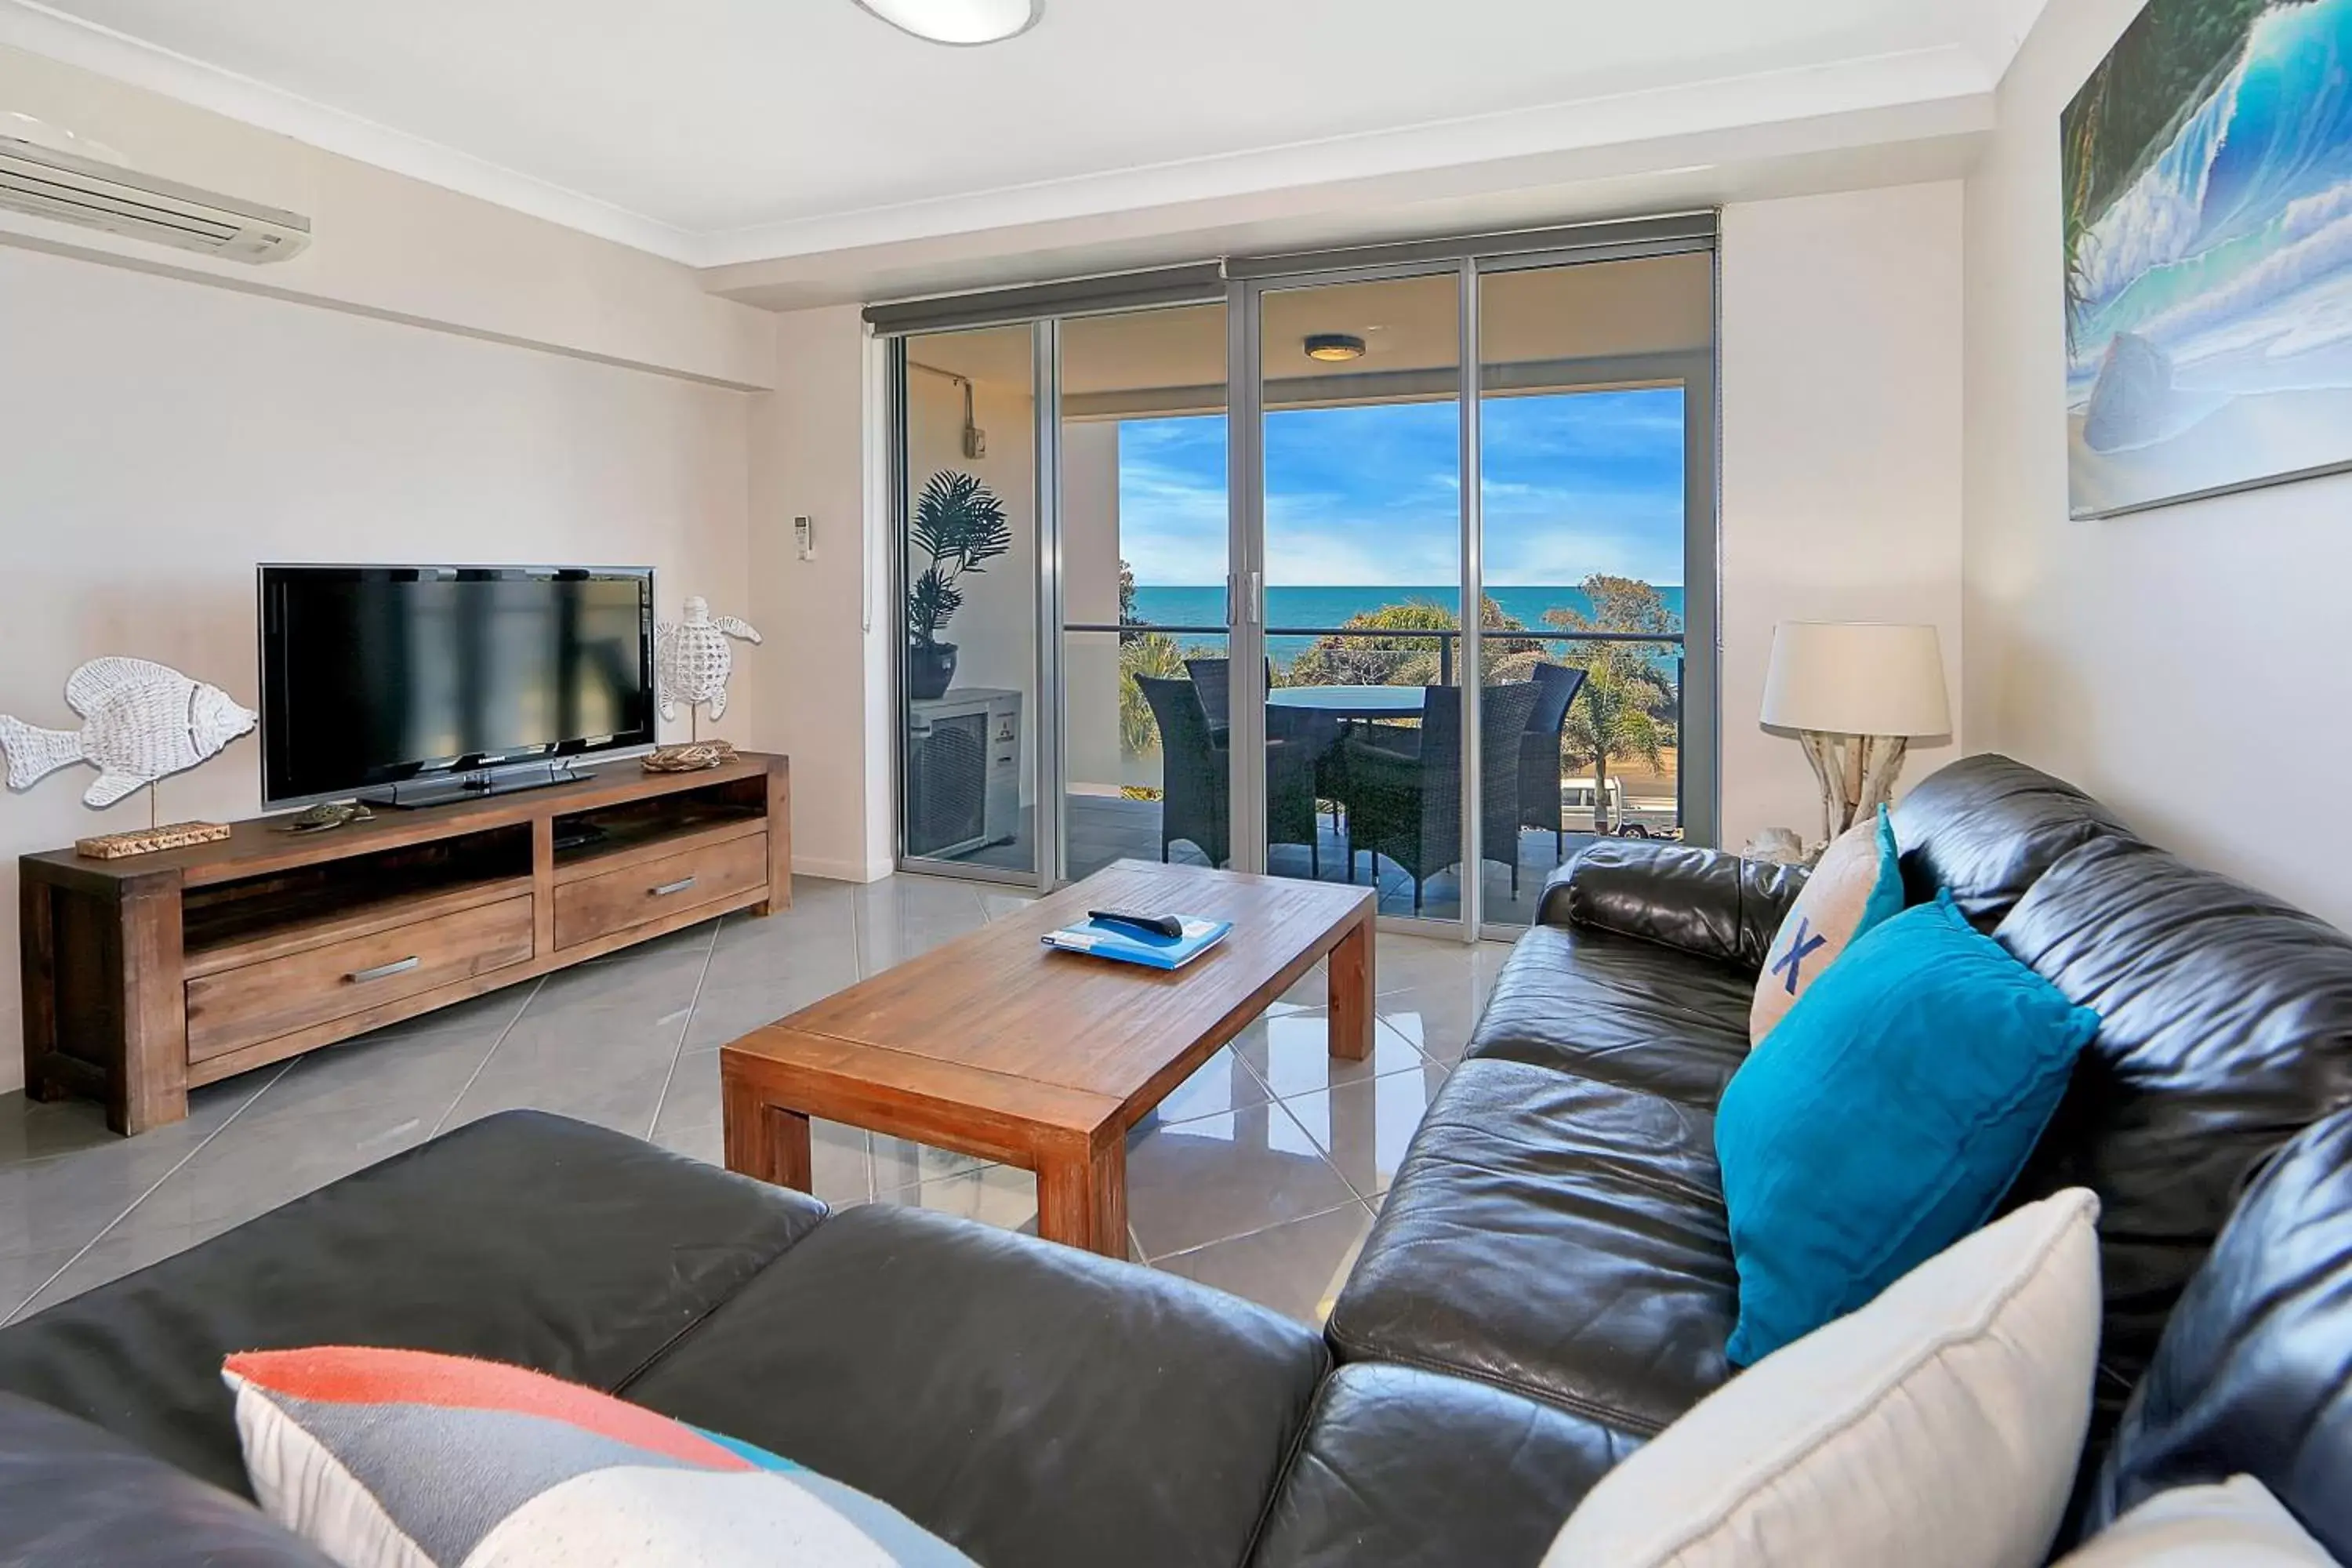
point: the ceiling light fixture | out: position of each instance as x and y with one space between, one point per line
963 22
1334 346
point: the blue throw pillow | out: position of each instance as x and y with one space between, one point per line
1885 1118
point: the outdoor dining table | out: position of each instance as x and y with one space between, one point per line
1351 701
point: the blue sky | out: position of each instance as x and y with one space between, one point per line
1576 483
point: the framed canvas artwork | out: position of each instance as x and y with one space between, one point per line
2208 189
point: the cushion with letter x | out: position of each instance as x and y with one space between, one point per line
1857 885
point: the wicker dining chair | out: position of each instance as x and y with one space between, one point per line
1195 804
1210 679
1409 808
1315 733
1555 686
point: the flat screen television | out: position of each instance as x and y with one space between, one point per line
406 684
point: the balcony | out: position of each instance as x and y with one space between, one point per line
1117 805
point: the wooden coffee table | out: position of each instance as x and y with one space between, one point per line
997 1046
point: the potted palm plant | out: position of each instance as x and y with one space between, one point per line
960 524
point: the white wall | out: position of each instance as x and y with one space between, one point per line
2185 664
1842 349
160 438
829 622
390 246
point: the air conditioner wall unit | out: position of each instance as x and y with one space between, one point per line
70 188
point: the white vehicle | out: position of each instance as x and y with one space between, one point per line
1641 818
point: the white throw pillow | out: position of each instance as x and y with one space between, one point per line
2237 1524
1936 1428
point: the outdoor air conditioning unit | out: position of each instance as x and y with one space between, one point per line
72 188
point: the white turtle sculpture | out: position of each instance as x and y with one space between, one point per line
692 660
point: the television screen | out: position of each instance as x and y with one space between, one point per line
371 675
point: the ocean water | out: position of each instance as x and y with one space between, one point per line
1161 604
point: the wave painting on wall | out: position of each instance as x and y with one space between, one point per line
2208 168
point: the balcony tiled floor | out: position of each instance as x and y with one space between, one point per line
1260 1175
1103 828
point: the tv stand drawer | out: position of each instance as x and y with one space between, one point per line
232 1008
646 890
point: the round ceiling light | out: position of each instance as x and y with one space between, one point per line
959 21
1334 346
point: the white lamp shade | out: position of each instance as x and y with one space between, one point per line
1855 678
957 21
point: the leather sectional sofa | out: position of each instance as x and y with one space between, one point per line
1548 1283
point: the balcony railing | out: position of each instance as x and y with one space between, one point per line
1445 638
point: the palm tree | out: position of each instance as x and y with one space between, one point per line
1611 719
1143 653
1620 713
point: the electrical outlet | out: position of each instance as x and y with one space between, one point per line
805 537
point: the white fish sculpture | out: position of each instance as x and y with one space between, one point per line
141 721
692 660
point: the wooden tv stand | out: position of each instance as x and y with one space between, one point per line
146 977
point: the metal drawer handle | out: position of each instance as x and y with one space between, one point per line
667 888
383 971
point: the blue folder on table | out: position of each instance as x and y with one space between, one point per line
1129 945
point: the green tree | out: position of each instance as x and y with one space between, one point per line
1624 710
1143 653
1398 658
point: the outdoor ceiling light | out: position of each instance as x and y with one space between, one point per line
959 21
1334 346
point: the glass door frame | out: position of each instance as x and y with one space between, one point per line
1044 715
1245 283
1698 372
1245 553
1245 587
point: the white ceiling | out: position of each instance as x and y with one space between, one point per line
736 130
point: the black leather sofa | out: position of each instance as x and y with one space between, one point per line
1549 1284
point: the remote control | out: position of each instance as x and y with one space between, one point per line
1156 925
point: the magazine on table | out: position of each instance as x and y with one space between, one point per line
1157 941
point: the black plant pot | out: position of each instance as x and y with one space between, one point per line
931 668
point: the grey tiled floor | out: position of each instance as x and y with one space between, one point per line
1260 1175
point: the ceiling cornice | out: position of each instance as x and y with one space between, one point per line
2001 27
37 29
1913 78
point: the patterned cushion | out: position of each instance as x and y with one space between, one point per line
1857 885
390 1458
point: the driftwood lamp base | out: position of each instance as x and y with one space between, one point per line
1856 772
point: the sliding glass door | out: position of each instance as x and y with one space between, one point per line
1394 569
1359 581
1145 644
968 579
1596 462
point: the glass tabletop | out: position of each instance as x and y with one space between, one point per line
1354 702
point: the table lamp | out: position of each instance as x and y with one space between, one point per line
1855 693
